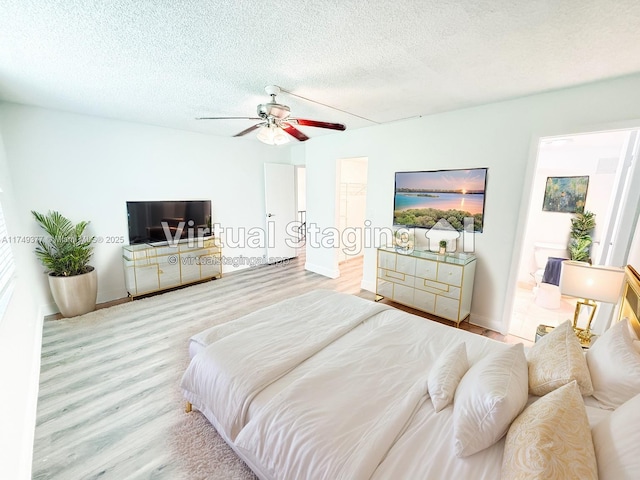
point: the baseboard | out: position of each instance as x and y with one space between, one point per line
368 285
111 295
486 322
327 272
49 309
103 297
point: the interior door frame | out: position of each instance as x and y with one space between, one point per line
525 200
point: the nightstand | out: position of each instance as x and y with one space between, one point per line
542 330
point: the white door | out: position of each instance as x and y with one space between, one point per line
280 204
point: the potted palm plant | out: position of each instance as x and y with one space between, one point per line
65 253
580 238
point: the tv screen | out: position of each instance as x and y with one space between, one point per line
152 222
422 199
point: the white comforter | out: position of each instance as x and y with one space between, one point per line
343 416
356 409
230 372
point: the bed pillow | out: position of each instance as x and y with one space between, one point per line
557 359
445 375
614 365
490 395
616 442
551 439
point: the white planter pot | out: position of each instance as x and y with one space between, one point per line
75 295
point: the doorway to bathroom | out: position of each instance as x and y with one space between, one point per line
600 164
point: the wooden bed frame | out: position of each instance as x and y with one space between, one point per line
630 307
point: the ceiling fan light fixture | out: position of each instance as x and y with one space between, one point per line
276 126
272 135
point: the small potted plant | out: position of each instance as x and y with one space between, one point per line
443 247
65 253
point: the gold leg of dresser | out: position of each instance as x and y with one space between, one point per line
188 407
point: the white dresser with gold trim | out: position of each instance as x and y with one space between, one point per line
441 285
150 268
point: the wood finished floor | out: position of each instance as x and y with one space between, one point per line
109 384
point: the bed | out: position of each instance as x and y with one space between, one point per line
332 386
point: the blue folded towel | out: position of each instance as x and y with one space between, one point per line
552 270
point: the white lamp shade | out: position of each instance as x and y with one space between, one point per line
599 283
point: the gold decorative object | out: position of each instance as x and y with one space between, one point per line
593 284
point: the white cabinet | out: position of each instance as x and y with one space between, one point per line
149 268
438 284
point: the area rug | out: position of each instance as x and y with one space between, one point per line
202 453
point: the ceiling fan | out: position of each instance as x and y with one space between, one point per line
275 121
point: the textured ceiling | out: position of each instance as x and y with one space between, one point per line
165 62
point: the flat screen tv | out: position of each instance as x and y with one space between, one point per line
149 222
422 199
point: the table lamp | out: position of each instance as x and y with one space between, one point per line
593 284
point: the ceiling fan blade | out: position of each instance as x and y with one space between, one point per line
249 130
228 118
293 131
315 123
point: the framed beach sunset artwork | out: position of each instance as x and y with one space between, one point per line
422 199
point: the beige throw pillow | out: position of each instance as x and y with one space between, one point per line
551 440
557 359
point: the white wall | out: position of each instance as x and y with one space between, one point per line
20 337
88 167
498 136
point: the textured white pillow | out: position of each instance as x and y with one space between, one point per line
490 395
557 359
614 365
445 375
616 442
551 439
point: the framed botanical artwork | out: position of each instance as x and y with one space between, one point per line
565 194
